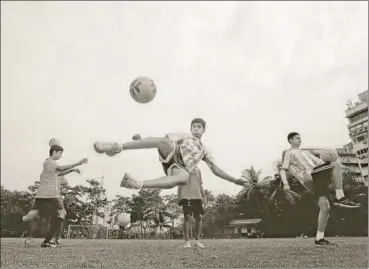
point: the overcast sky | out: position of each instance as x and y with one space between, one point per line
253 70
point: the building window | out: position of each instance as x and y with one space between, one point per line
360 138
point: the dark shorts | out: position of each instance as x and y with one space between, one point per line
192 207
321 184
47 207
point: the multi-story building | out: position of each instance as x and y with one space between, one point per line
347 157
357 115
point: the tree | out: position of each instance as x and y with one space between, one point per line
145 207
14 205
172 210
120 204
253 200
96 201
219 215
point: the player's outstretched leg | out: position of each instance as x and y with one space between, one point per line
164 145
177 177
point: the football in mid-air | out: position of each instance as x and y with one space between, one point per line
53 142
143 90
329 155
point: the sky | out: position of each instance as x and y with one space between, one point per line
255 71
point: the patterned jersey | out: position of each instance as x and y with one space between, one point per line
188 153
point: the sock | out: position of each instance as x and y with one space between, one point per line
339 194
319 235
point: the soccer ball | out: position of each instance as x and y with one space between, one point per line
123 220
143 90
329 155
54 141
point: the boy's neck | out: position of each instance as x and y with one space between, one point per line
294 147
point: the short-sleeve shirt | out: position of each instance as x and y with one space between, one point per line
49 186
192 190
300 163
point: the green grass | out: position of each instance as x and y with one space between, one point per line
351 252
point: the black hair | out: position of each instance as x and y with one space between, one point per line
56 148
199 120
291 136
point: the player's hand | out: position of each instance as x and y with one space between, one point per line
286 186
77 171
136 137
83 161
204 203
240 182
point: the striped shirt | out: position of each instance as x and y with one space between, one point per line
49 186
192 190
300 163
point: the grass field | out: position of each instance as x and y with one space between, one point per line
351 252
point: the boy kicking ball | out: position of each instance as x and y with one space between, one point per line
180 154
192 199
314 175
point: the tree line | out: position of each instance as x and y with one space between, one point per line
283 213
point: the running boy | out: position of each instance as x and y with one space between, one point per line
47 201
307 169
180 154
192 199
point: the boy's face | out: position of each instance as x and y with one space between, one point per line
57 155
296 141
197 130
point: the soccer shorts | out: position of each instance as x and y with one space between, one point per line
192 207
321 180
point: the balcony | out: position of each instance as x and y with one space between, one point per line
362 120
356 109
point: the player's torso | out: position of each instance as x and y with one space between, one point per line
49 187
300 161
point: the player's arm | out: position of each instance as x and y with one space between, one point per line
179 191
219 172
66 172
71 166
202 191
286 158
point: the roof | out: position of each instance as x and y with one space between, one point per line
244 222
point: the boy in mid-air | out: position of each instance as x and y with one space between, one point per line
305 169
192 199
179 154
47 202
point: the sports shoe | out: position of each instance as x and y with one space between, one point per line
345 203
187 244
199 244
130 183
109 149
27 242
55 242
323 242
47 245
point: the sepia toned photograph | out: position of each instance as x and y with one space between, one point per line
184 134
